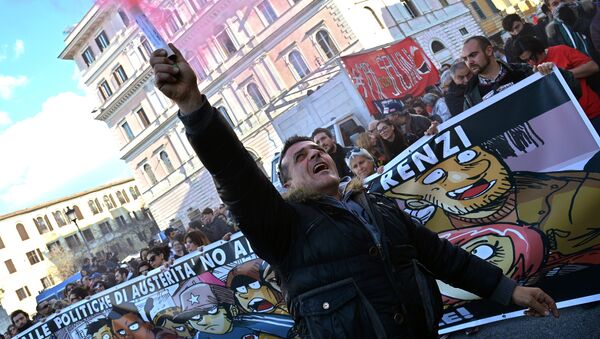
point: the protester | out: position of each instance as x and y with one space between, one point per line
493 76
158 255
144 254
372 145
361 163
195 239
517 27
412 125
43 310
392 139
144 268
100 286
326 243
437 106
214 228
324 138
121 275
455 97
178 249
20 319
571 24
532 51
77 294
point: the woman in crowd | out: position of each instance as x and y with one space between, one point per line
158 255
371 145
194 240
360 162
144 268
178 249
392 139
144 254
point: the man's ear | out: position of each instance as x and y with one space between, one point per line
233 310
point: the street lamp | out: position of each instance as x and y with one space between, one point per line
73 217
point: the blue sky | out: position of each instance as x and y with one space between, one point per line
44 114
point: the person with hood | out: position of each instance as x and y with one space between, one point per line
455 97
517 27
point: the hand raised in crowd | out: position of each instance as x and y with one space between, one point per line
176 79
227 236
432 130
540 304
544 68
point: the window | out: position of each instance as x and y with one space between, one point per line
47 282
93 207
105 90
121 221
254 93
125 195
88 235
143 117
60 218
145 49
108 203
130 243
88 56
77 213
225 41
164 157
142 236
463 31
124 18
120 75
23 293
298 64
225 115
492 6
198 68
410 8
267 11
41 225
437 46
53 246
326 44
134 192
128 132
1 243
370 10
102 41
22 232
10 266
150 174
174 22
121 198
477 9
33 257
105 227
73 241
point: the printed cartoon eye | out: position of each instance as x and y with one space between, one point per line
434 176
466 156
179 328
122 332
106 336
483 252
134 327
197 317
242 290
213 310
255 285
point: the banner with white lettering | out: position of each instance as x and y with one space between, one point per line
391 72
515 181
223 292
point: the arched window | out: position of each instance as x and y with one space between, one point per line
222 36
121 198
133 192
254 93
124 18
150 174
93 207
326 44
125 195
60 218
298 64
108 203
164 157
41 225
22 232
98 205
370 10
437 46
77 213
225 115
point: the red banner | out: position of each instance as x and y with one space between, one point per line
391 72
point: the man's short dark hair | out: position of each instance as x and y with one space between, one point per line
283 170
321 130
483 41
79 292
528 43
94 327
16 313
509 20
207 210
123 271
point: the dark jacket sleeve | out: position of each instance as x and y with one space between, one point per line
264 217
572 82
459 268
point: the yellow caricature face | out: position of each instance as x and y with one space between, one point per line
215 320
462 184
103 333
256 297
495 249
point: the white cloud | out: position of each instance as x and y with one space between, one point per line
4 119
9 83
19 48
57 146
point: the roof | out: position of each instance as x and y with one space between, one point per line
69 197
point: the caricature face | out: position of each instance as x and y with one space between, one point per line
496 249
103 333
130 326
216 321
180 329
256 297
462 184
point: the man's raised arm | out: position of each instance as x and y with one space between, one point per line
264 217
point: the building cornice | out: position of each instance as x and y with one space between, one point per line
82 31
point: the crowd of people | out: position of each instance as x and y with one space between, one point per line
105 270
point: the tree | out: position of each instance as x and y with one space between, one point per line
65 262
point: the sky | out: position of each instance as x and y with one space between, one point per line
51 145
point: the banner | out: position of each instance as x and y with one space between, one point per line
391 72
514 181
223 292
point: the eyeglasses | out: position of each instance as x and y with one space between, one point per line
151 258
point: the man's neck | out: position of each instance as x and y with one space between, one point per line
334 148
492 70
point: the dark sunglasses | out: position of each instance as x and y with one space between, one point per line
151 258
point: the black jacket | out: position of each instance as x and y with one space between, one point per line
339 282
528 29
455 98
339 157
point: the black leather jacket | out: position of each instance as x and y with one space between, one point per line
340 282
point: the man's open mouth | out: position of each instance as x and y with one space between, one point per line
320 167
260 305
472 191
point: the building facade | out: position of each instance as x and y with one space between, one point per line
254 60
111 218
